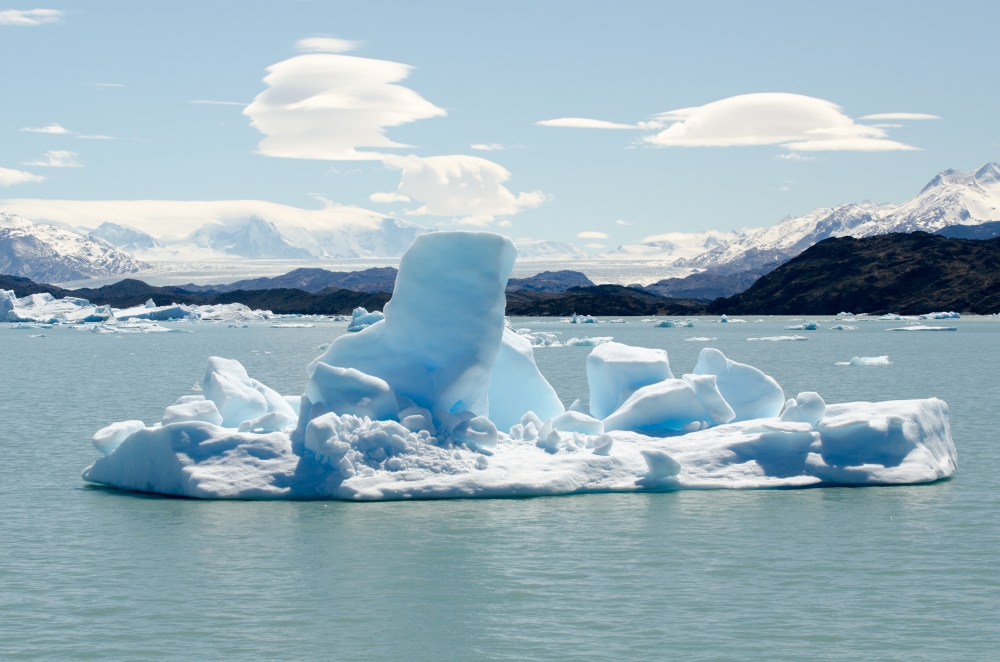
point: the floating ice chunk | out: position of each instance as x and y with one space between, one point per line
238 397
615 371
350 391
866 360
153 312
516 385
750 392
289 325
589 342
845 314
362 319
574 421
192 410
540 339
841 327
805 326
429 348
707 389
699 339
893 317
671 405
807 407
107 439
924 328
779 338
616 321
723 319
665 324
941 316
46 309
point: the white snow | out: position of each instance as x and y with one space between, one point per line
410 408
779 338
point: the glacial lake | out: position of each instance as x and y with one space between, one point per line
886 573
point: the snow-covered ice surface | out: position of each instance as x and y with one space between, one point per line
439 400
918 327
867 360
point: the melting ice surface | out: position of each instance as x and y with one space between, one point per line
409 407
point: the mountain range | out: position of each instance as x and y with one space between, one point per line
953 203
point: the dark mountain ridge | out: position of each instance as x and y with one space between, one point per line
901 273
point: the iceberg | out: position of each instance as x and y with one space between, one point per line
778 338
408 408
582 319
362 319
917 327
806 326
866 360
699 339
843 327
43 308
941 316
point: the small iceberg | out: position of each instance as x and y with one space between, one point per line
582 319
699 339
290 325
362 319
805 326
941 316
918 327
779 338
866 360
842 327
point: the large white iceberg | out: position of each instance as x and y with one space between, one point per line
46 309
413 408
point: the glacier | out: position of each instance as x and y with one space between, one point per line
409 407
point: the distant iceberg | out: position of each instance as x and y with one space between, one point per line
411 407
918 327
805 326
866 360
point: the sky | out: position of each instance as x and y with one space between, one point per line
592 123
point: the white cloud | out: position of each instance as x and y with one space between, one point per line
594 246
325 106
326 45
462 186
105 84
794 156
900 116
584 123
793 121
504 223
50 128
208 102
621 222
57 158
386 198
96 136
10 177
592 235
30 16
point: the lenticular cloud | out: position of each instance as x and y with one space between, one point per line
410 408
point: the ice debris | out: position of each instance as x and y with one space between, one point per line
362 319
918 327
405 409
805 326
778 338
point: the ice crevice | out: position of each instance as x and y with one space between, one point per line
405 408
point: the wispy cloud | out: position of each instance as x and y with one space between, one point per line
794 156
208 102
56 158
584 123
59 130
104 84
493 147
385 198
326 45
792 121
50 128
594 246
592 235
900 116
30 16
621 222
10 177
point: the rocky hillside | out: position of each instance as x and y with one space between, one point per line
900 273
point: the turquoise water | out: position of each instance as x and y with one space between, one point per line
889 573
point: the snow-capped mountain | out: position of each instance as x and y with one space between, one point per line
672 246
124 237
53 254
951 198
256 238
541 249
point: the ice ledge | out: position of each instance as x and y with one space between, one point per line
861 443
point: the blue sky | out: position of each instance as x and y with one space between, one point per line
486 75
